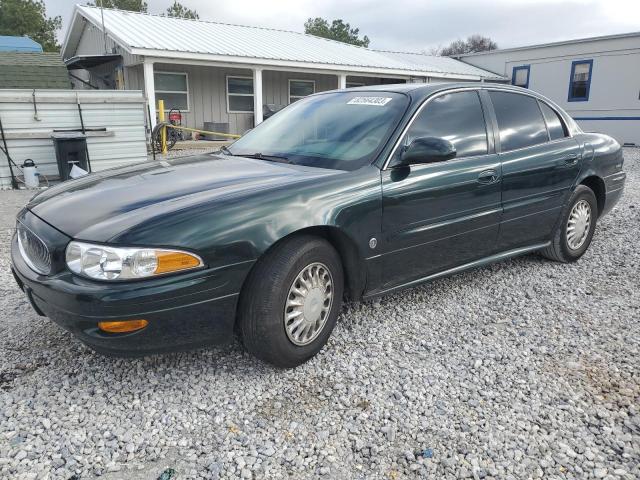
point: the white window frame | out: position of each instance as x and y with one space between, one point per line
252 95
305 80
354 84
186 79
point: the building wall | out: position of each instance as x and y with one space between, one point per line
92 43
615 81
208 91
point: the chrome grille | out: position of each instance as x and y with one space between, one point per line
33 250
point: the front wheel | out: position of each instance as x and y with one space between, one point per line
574 232
291 301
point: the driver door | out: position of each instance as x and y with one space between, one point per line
440 215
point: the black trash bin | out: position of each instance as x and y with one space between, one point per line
71 149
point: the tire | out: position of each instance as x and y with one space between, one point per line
561 249
268 294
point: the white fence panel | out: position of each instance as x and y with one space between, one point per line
28 130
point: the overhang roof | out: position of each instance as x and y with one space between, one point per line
177 38
90 61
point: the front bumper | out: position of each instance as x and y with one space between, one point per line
184 311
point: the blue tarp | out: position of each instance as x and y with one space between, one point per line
18 44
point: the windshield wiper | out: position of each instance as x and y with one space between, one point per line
269 158
224 149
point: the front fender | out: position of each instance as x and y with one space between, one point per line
242 228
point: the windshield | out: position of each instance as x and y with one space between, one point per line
342 130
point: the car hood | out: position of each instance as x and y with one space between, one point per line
103 204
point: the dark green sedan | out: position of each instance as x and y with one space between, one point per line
343 194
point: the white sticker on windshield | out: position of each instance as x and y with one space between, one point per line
376 101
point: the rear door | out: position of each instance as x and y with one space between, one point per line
444 214
540 163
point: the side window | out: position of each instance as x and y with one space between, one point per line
555 125
519 120
456 117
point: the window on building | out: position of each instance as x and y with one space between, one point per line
456 117
173 88
300 88
520 76
519 120
555 125
354 84
239 94
580 80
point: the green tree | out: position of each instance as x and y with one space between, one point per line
180 11
28 17
129 5
338 30
473 44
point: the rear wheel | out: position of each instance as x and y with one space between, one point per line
291 301
574 232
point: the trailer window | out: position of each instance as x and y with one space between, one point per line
580 81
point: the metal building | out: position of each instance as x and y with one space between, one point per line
215 72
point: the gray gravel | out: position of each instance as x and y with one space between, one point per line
525 369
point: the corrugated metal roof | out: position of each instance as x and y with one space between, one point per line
170 37
33 70
420 61
18 44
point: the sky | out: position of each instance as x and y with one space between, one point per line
420 25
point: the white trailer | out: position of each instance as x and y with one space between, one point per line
596 80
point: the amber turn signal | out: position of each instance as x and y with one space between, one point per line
123 326
175 261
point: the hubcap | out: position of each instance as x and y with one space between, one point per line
579 224
308 304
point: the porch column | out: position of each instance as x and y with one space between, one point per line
257 96
150 91
342 81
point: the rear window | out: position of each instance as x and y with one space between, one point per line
554 124
519 120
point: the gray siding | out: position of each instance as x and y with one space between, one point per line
276 84
92 43
208 91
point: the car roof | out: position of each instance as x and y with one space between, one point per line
419 91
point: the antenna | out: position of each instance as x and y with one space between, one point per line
104 31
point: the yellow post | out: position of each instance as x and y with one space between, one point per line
163 132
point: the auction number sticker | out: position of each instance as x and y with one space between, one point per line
375 101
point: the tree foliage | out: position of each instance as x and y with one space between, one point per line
180 11
129 5
338 30
473 44
28 18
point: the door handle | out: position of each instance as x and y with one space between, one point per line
571 159
487 177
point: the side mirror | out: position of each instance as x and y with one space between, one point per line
427 150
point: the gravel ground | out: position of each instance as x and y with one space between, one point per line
525 369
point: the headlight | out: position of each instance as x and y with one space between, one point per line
102 262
